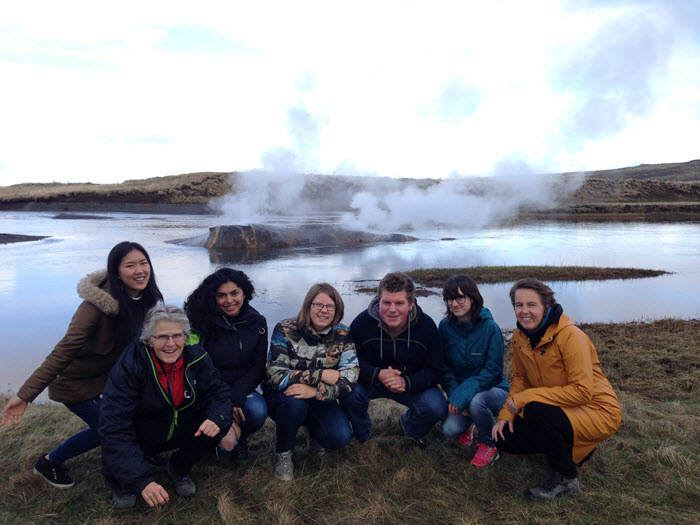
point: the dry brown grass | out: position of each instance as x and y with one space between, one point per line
647 473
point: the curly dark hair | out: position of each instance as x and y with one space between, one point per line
201 307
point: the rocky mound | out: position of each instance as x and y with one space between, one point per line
263 236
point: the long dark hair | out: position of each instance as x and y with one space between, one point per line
468 287
201 307
131 313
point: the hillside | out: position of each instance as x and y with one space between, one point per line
645 192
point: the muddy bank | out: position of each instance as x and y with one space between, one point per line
9 238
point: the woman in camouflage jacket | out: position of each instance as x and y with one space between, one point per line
312 363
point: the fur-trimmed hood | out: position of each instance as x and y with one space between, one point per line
94 288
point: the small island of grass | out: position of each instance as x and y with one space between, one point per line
505 274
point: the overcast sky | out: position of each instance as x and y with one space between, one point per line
104 92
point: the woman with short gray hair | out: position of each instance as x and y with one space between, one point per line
163 394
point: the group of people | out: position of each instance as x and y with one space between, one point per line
147 377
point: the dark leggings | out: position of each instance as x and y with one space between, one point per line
545 429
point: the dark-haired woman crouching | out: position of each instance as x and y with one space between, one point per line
235 336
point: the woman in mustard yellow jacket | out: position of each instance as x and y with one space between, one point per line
560 403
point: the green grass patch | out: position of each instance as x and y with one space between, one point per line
647 473
505 274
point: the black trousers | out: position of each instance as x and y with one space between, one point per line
545 429
189 449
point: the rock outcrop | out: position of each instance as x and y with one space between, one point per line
263 236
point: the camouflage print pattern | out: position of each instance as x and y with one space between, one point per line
301 355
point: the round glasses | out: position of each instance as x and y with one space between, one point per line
320 306
177 338
459 300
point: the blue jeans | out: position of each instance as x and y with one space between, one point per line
84 441
255 412
424 409
482 408
326 421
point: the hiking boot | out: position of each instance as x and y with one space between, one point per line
419 441
184 486
55 473
123 500
284 468
485 455
555 487
241 455
467 438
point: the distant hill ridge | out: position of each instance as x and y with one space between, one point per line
671 184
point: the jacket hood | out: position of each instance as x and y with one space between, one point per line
94 288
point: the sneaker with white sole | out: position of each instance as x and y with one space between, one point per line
485 455
55 473
284 468
555 487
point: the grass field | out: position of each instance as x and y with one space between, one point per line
649 472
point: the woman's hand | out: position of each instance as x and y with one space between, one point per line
301 391
238 416
330 377
208 428
154 494
452 409
498 429
510 405
13 411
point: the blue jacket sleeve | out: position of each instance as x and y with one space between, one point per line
488 377
449 379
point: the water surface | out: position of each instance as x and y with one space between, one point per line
38 279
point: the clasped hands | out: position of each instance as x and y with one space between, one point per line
392 380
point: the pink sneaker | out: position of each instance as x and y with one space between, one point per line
484 456
467 438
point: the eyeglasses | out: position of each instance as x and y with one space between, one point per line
461 299
177 338
320 306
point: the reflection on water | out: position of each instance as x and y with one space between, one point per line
38 279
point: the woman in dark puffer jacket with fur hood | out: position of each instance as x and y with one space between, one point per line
114 305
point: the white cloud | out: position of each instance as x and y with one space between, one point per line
107 93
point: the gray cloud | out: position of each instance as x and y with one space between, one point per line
613 74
